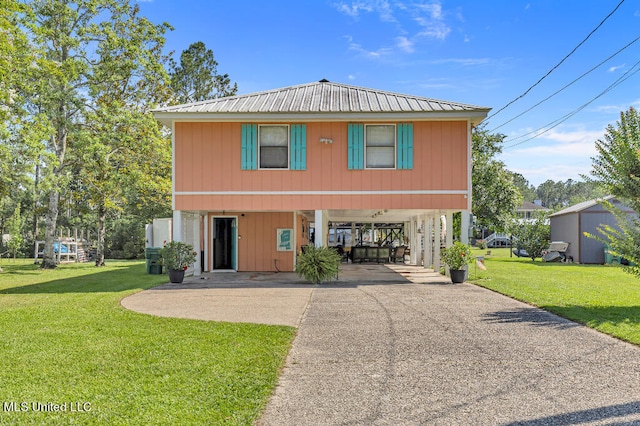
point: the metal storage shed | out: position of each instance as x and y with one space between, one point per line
571 223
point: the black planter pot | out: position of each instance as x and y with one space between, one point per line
176 276
457 275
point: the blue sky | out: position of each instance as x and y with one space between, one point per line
483 53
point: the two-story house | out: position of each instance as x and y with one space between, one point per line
251 173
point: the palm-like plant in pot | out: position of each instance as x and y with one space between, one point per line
456 258
176 258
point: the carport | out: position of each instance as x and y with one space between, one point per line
424 231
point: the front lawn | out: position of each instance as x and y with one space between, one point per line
602 297
66 342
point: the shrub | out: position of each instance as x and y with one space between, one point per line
177 255
318 264
457 256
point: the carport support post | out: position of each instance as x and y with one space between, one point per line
464 226
177 226
437 225
413 241
322 226
427 244
449 229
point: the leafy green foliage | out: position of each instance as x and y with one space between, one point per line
457 256
177 255
15 229
495 195
557 195
196 78
533 235
92 60
616 168
318 264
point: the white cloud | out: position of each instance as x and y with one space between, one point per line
354 8
552 171
405 44
616 68
566 144
429 16
557 155
432 20
616 109
372 54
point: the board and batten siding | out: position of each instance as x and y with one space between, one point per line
209 173
257 238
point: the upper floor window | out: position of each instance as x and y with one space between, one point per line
274 146
380 146
273 142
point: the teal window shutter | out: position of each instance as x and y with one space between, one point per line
405 146
298 149
356 146
249 147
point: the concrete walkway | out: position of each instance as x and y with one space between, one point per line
404 347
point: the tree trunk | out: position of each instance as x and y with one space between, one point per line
35 202
102 219
49 257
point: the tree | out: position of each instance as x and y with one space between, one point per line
527 190
15 230
495 196
533 235
196 78
616 168
83 46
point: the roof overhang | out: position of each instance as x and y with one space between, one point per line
168 118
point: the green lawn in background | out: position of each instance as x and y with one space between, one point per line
603 297
65 339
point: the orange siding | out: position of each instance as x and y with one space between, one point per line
257 240
207 157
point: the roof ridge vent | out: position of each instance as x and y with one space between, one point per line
324 80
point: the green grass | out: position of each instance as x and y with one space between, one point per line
64 338
602 297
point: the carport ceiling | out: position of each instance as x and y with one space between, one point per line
373 216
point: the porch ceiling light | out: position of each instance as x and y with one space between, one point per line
326 141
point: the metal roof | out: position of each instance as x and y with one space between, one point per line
325 98
576 208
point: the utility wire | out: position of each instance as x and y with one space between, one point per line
560 90
557 122
559 63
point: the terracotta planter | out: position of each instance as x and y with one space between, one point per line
457 275
176 275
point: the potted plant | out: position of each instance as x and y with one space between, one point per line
176 258
456 258
317 264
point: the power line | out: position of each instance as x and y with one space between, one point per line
557 122
559 63
566 86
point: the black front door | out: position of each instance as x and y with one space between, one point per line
223 236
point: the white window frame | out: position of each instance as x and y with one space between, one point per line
288 146
395 146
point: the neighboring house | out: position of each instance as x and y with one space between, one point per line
527 211
570 224
251 173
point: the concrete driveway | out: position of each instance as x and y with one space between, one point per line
400 346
